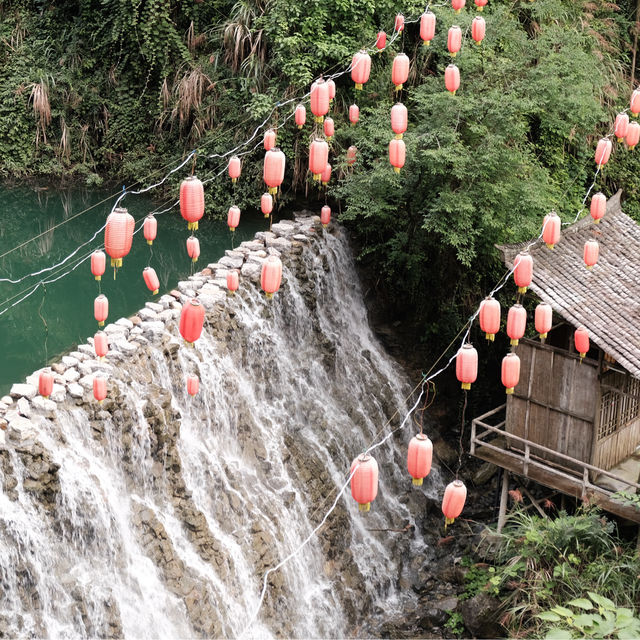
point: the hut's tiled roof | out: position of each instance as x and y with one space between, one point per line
605 299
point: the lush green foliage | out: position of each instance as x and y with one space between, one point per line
547 567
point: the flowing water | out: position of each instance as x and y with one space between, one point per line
166 510
67 304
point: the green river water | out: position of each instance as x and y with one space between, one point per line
67 304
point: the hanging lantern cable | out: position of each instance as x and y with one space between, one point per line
46 326
460 444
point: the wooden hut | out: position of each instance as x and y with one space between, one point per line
574 424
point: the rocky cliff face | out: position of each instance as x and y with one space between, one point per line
155 514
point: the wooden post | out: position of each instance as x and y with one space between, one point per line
502 514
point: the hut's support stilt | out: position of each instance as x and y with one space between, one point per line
502 514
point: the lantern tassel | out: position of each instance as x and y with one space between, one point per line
416 482
490 337
426 43
364 507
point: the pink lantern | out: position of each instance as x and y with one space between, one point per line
364 481
118 235
467 366
458 5
329 128
581 340
99 388
635 103
193 248
427 27
397 154
598 206
603 151
235 168
191 320
273 171
233 282
150 278
633 135
455 495
150 228
523 271
399 23
591 253
454 40
266 204
419 458
318 157
193 385
192 201
452 78
399 119
319 99
300 115
100 345
269 139
400 70
543 319
510 372
478 28
551 229
381 40
489 317
326 175
271 275
481 4
516 323
332 89
621 125
351 155
360 68
98 264
325 215
233 218
101 309
45 383
354 114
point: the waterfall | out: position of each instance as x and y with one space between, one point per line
157 514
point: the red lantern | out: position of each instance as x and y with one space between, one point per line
351 155
635 103
551 229
453 501
101 309
326 175
273 172
193 385
399 118
543 319
360 68
193 248
399 23
452 78
45 383
621 126
318 157
603 151
598 206
354 114
481 4
235 167
329 128
118 235
232 281
458 5
150 228
400 70
364 481
319 99
478 28
510 371
419 458
332 89
581 340
266 204
454 40
98 264
271 275
192 201
633 135
99 389
325 215
191 320
516 323
101 344
233 218
523 271
381 40
151 279
269 139
427 27
467 366
591 252
397 154
489 317
300 115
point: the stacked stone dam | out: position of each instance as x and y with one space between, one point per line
156 514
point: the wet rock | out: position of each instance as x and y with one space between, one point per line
8 400
76 391
154 330
44 405
154 306
87 350
21 429
86 382
125 322
481 614
232 261
23 390
251 270
59 393
126 347
69 361
58 368
484 474
24 407
279 244
71 375
147 314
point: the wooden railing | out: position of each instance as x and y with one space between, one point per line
480 431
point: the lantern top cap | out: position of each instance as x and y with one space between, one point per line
552 213
402 54
319 80
120 210
148 268
592 240
510 354
150 215
98 251
455 26
452 66
467 345
517 306
101 296
581 328
457 483
191 178
194 302
364 457
421 436
272 259
489 298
